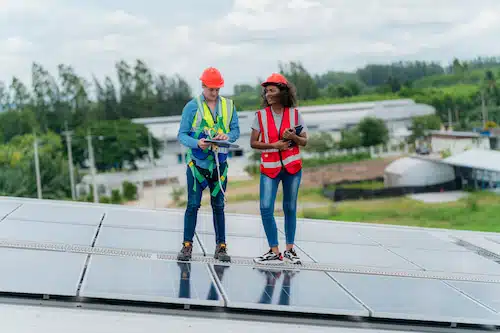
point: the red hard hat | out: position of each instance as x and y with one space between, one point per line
212 78
275 78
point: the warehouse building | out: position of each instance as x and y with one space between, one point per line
332 118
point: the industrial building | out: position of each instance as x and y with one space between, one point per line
456 142
330 118
475 168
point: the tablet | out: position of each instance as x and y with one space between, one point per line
223 143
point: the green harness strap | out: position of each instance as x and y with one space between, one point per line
199 176
217 186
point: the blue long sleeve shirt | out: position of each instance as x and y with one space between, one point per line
187 118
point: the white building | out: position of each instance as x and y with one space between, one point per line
331 118
457 142
410 171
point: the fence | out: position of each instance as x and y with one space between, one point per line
342 194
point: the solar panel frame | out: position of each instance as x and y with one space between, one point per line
144 240
450 261
33 231
98 272
330 291
58 213
396 292
57 273
356 255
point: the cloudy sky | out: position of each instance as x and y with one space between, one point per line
245 39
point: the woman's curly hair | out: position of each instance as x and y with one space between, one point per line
288 94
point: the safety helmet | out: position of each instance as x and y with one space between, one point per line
212 78
276 79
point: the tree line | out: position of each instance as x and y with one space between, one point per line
102 109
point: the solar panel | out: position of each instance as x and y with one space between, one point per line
352 255
285 290
40 272
58 213
408 238
143 239
144 219
330 233
7 207
485 293
122 278
377 271
47 232
464 262
249 247
415 299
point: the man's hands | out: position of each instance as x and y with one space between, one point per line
221 137
203 145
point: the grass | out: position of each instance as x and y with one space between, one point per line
478 212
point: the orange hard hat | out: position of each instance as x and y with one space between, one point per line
212 78
275 78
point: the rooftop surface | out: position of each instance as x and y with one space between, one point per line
79 259
483 159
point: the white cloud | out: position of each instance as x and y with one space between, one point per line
246 39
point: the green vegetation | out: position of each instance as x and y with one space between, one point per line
66 100
478 212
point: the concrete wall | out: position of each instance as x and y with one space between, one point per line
458 144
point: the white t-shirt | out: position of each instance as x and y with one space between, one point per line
277 121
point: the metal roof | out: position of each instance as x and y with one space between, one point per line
456 134
484 159
92 261
324 117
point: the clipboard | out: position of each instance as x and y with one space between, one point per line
298 130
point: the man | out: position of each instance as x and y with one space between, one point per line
207 116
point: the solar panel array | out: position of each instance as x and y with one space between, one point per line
104 253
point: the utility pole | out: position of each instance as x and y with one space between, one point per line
449 120
483 109
92 166
68 134
37 167
151 159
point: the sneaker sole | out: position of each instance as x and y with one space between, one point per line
269 262
294 262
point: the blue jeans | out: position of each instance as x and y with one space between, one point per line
268 190
194 203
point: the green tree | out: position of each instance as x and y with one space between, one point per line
350 139
115 142
373 132
320 143
421 124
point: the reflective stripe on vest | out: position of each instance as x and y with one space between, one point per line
204 112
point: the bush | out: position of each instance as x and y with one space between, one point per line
104 199
116 197
129 191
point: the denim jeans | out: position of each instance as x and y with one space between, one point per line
268 190
194 203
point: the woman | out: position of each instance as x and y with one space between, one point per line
274 133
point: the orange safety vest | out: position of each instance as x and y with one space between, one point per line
273 160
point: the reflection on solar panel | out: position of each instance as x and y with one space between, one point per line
105 254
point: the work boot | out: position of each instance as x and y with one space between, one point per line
221 253
186 252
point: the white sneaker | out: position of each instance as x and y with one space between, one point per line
269 258
292 257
